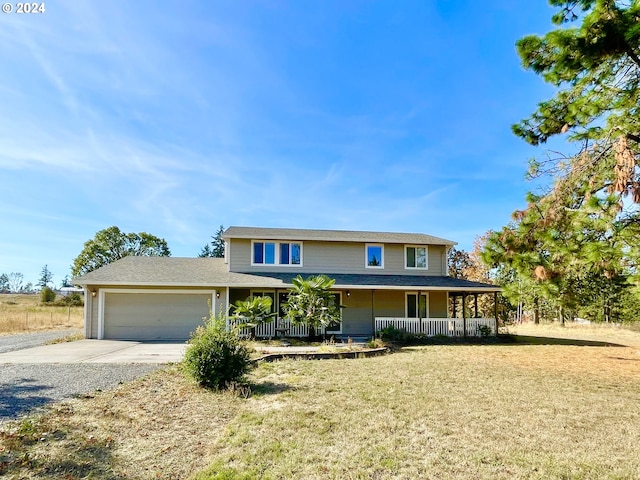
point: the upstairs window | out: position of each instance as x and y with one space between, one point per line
264 253
416 257
374 256
290 254
276 253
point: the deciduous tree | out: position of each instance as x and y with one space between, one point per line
15 282
111 244
459 261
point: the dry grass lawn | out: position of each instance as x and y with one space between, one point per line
543 409
23 313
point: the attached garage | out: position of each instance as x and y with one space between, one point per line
152 314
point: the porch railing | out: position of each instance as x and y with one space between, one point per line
282 327
452 327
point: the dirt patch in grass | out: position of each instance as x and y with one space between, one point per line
440 411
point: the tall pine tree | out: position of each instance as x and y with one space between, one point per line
581 234
215 248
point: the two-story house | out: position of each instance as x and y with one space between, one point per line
382 279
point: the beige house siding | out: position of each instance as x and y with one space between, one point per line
438 304
339 257
389 303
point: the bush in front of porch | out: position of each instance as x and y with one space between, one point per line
216 358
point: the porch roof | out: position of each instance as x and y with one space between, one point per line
213 272
392 282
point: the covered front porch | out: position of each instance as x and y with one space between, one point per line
371 308
463 317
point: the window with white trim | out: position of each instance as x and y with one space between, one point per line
374 255
276 253
417 305
416 257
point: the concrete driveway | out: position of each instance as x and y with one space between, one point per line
98 351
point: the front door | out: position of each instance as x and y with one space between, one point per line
335 328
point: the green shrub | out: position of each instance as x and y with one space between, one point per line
216 358
74 300
484 330
47 295
393 334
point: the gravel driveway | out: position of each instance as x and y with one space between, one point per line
10 343
24 387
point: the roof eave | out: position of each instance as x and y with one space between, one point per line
282 284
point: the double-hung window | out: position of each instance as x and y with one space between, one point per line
276 253
415 257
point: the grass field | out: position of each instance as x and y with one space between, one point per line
562 404
23 313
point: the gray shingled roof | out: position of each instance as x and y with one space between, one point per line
333 236
212 272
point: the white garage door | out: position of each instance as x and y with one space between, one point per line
153 316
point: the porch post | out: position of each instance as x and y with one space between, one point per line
464 314
455 304
373 313
495 308
226 313
419 313
475 304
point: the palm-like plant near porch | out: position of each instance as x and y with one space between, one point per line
311 302
253 311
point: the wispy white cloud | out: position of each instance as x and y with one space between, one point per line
175 118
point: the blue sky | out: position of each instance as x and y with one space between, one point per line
176 117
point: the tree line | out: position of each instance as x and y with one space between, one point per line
14 282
